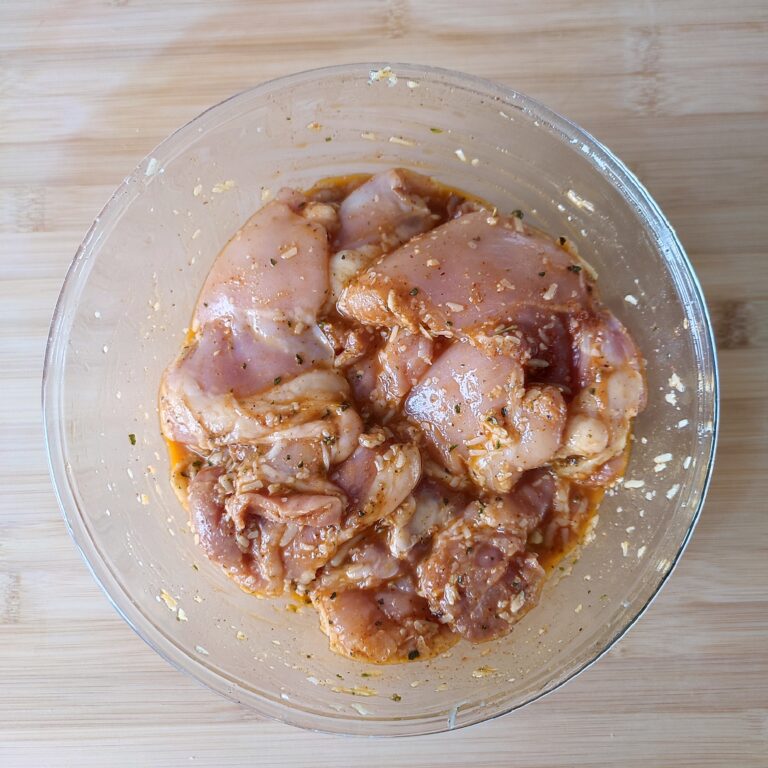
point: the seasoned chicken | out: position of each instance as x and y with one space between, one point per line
271 537
256 325
249 556
384 376
376 480
610 374
276 265
387 210
472 276
371 610
479 578
428 508
478 417
401 404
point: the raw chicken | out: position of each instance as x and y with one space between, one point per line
256 325
268 534
472 276
370 608
478 417
431 506
479 578
382 213
610 374
250 557
384 376
387 210
276 265
376 480
313 405
400 404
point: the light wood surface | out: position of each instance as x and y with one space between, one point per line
678 89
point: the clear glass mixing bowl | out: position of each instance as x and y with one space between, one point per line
129 295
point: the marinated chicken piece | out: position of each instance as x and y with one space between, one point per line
476 414
372 482
402 361
232 358
430 507
610 375
316 510
457 396
275 265
250 556
387 210
370 608
362 376
314 404
256 325
384 376
377 480
252 560
471 276
288 537
298 465
206 394
385 369
216 532
479 578
350 343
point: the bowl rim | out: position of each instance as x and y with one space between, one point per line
65 486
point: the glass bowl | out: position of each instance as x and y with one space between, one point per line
129 295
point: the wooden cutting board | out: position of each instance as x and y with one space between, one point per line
678 89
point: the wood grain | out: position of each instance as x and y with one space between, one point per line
678 89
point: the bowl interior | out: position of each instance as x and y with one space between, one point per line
129 297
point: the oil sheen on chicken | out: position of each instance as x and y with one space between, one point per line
397 401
